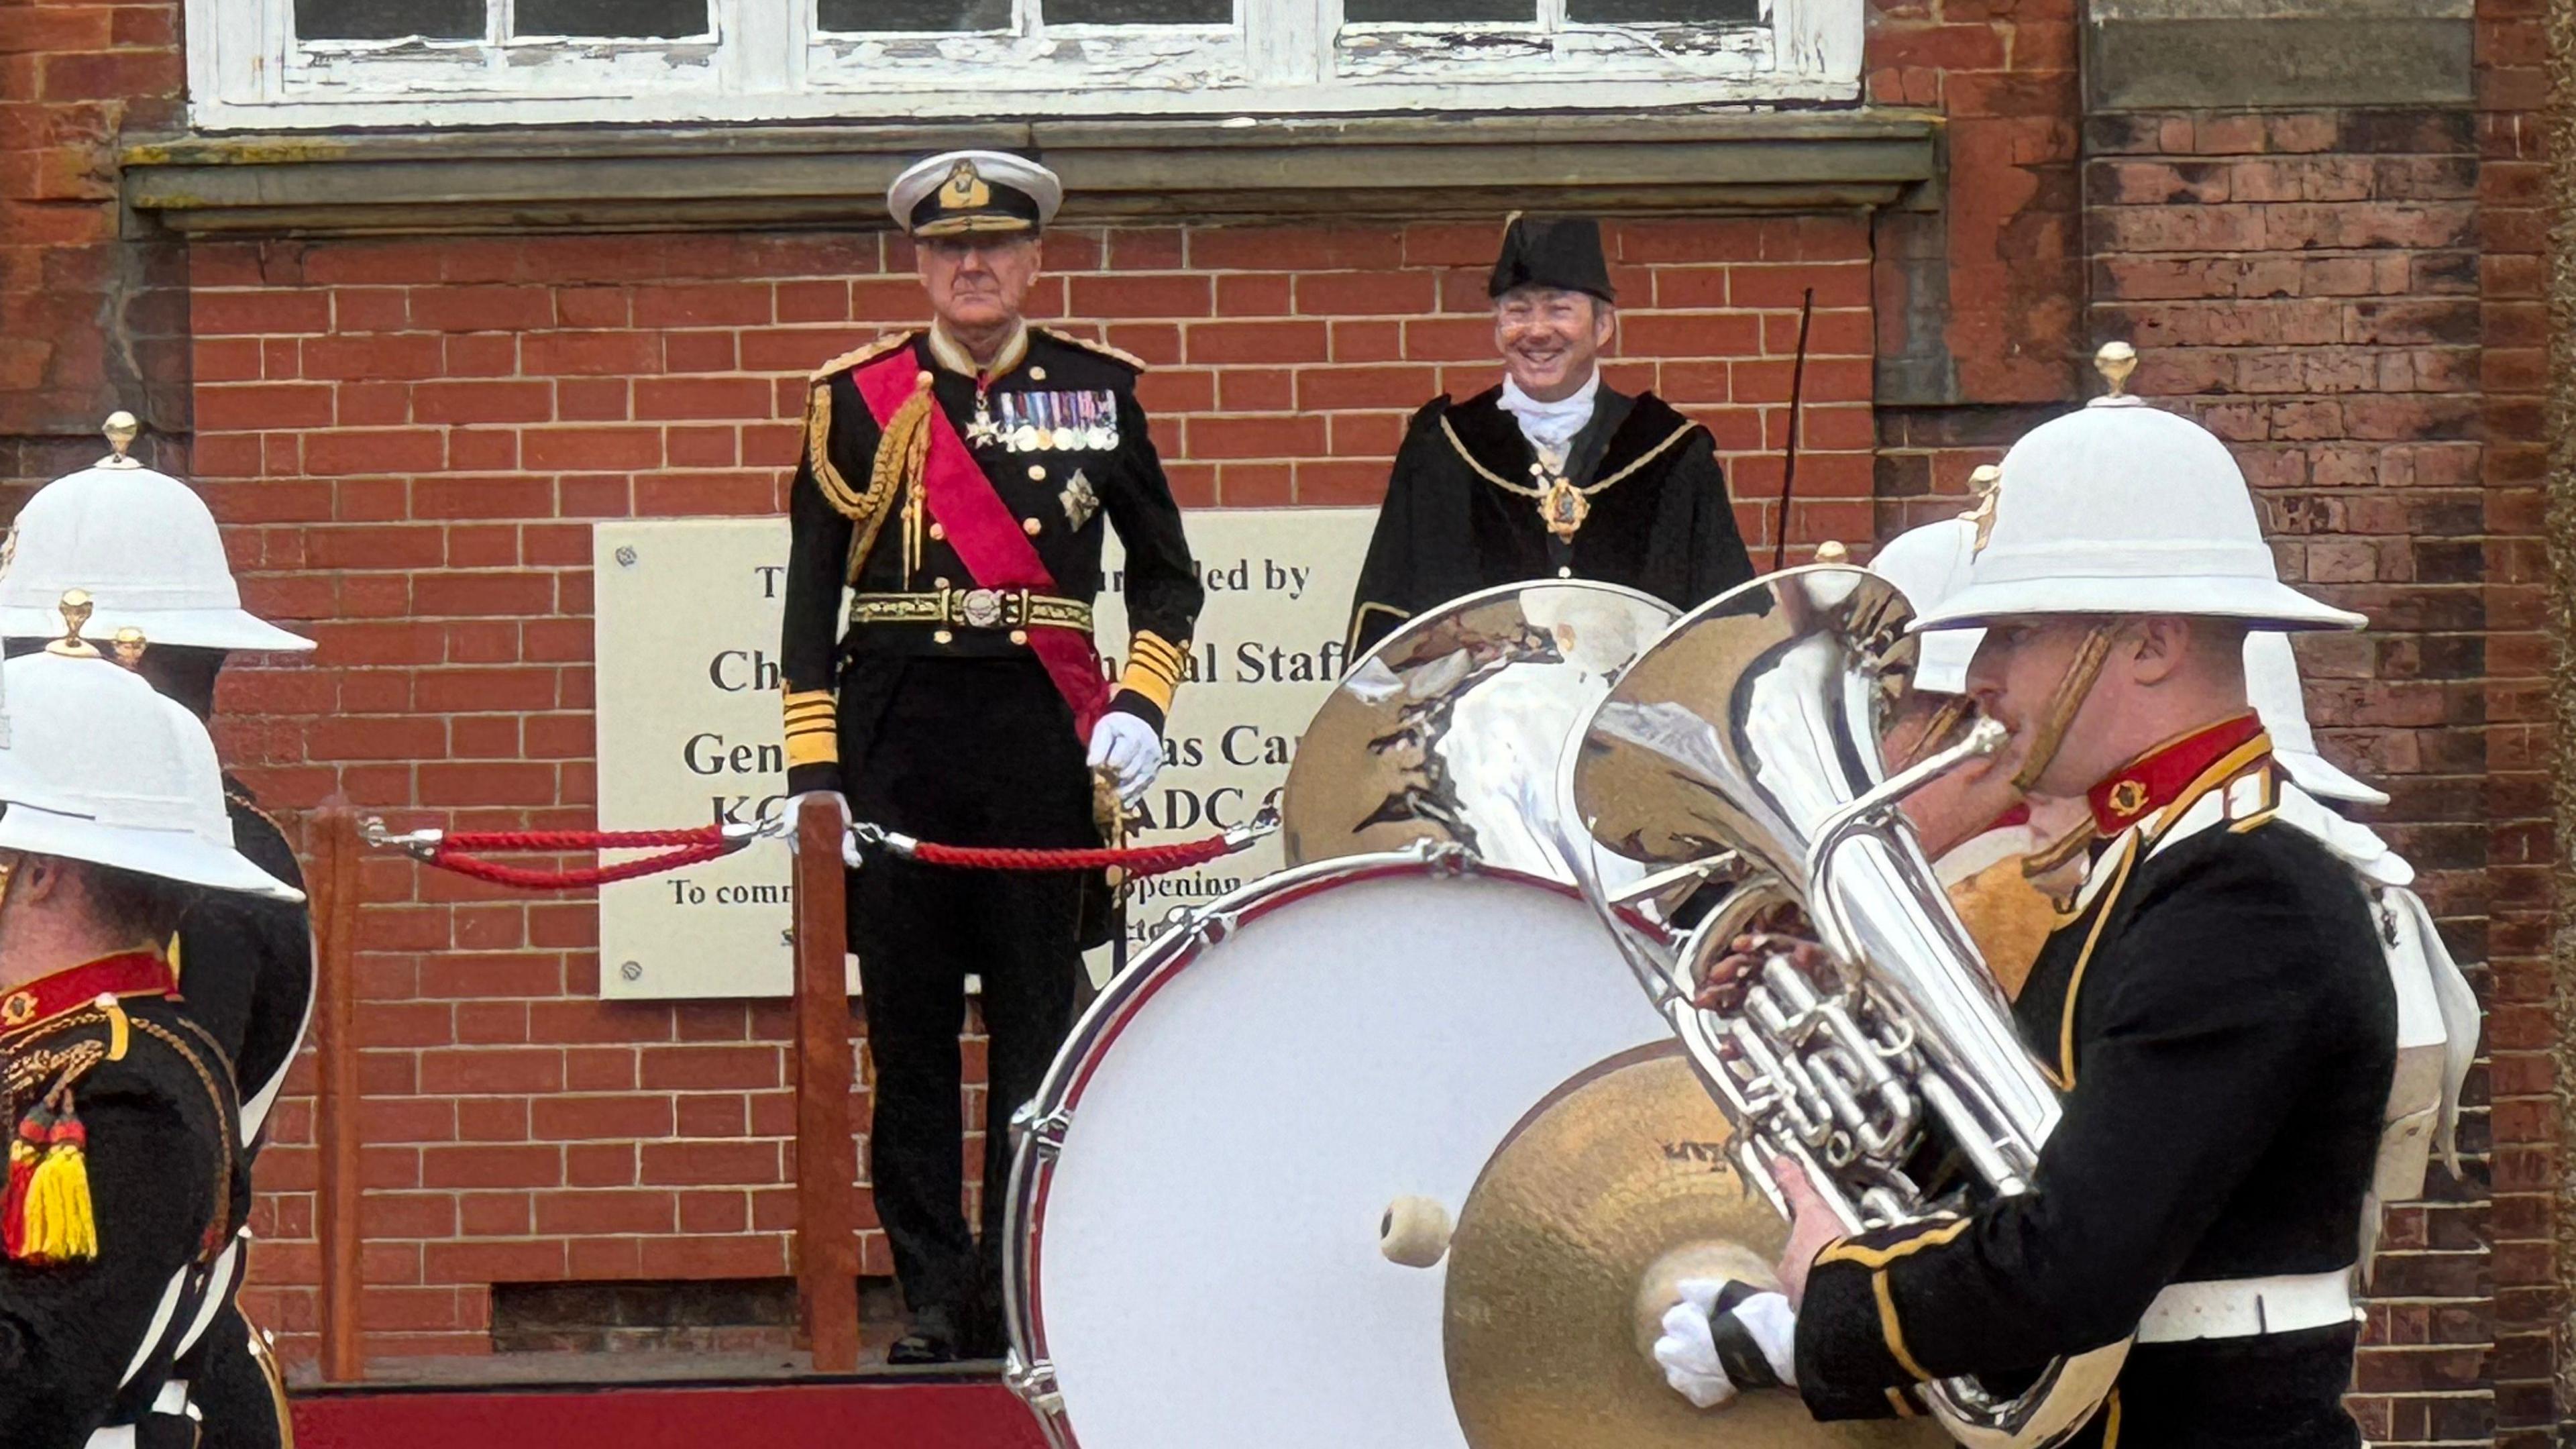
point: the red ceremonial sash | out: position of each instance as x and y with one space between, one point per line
984 535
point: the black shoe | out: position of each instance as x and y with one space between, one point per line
931 1339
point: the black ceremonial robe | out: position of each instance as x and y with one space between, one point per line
1659 518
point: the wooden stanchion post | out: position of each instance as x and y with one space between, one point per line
827 1244
337 852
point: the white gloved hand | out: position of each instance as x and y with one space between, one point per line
836 806
1129 746
1689 1357
1688 1349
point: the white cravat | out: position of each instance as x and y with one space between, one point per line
1551 426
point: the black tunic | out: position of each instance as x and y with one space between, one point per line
867 664
1661 522
2223 1015
247 978
168 1187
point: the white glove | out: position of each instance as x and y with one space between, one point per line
1129 746
1688 1349
835 805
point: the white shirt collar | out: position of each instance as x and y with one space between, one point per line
1551 426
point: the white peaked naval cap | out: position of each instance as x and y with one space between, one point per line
2120 508
95 765
2272 687
144 547
1928 565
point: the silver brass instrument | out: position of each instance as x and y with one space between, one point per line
1451 730
1739 756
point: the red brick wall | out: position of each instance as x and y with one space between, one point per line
410 441
2528 1162
87 325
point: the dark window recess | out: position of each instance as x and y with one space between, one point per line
615 19
1664 12
1139 12
388 19
1440 12
929 15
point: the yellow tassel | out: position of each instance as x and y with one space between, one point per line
61 1224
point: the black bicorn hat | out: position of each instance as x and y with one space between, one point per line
1559 252
962 192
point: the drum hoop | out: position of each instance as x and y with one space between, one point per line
1030 1373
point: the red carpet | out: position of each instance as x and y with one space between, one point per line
843 1415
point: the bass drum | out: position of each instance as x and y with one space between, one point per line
1203 1179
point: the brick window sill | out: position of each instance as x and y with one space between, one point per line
660 177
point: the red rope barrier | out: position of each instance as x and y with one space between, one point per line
1143 860
704 843
564 880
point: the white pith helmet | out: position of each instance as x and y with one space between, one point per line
2120 508
144 547
95 765
1928 565
2272 687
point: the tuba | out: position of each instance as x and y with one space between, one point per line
1737 763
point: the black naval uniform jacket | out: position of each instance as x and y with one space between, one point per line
1661 522
2219 1013
246 964
1065 498
167 1184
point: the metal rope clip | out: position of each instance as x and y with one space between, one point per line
1264 822
418 844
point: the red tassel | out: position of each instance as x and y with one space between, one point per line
26 1149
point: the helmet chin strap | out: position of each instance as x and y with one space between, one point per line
2072 689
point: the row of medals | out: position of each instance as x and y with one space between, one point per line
1092 428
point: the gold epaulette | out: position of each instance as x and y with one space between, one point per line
1089 344
852 358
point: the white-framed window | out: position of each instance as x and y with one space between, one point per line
259 64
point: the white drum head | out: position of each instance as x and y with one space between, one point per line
1207 1269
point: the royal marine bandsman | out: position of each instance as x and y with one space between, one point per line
126 1180
2242 1012
958 479
1551 474
144 548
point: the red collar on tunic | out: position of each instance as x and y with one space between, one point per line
129 973
2186 766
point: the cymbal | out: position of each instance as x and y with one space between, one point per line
1621 1175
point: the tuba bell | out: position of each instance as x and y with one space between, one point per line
1737 763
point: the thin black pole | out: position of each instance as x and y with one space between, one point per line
1789 463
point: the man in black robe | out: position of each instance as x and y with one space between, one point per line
1550 475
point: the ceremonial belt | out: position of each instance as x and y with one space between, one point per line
973 609
980 530
2249 1307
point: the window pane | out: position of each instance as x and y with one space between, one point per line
624 19
388 19
914 14
1664 12
1440 12
1139 12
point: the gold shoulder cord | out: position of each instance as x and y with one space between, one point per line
865 510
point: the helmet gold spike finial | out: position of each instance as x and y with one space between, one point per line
1832 551
2115 361
121 429
76 608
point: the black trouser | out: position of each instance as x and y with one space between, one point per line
965 752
